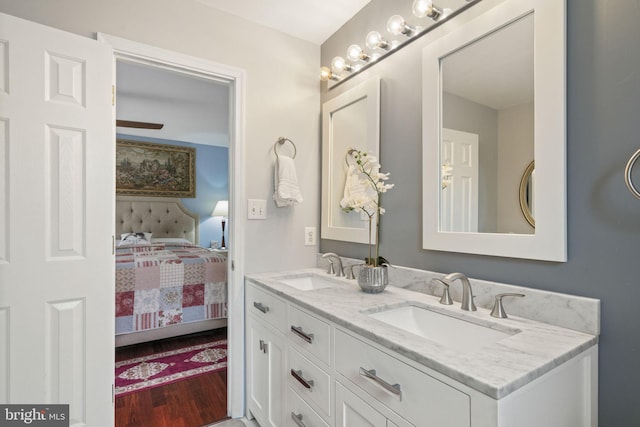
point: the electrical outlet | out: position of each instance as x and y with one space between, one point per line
257 209
309 236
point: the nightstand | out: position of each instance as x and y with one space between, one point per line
219 251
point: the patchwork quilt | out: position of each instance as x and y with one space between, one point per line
164 284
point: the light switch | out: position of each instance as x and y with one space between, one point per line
257 209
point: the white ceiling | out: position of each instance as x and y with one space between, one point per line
311 20
192 109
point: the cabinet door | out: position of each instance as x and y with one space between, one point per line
265 374
351 411
256 368
275 381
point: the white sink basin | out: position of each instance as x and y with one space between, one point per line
449 331
308 283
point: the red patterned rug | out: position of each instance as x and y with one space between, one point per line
171 366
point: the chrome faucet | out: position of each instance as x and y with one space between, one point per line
330 255
446 296
350 274
467 293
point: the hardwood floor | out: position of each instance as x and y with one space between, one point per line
193 402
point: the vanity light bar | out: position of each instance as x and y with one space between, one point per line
396 25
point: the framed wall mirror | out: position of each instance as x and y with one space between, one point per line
350 120
493 99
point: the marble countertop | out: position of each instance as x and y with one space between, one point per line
496 369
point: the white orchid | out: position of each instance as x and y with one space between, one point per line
367 201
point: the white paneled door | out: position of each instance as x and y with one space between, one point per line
56 220
459 194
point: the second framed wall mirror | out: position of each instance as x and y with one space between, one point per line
493 99
350 120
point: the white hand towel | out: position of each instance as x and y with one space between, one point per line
352 185
355 188
286 191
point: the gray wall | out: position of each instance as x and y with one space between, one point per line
603 114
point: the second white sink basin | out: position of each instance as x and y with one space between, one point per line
308 283
457 334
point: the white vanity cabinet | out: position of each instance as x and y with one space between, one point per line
265 345
309 369
290 352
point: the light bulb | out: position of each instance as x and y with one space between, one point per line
422 8
355 53
374 40
339 64
326 74
396 25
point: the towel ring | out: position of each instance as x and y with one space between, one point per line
627 174
281 141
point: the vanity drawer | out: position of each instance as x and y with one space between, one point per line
309 381
267 307
420 398
299 409
310 334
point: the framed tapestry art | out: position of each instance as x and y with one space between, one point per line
146 169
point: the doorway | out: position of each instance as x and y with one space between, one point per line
167 108
148 56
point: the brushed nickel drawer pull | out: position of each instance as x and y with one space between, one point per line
298 376
392 388
297 419
261 307
299 332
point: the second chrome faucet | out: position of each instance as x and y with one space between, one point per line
467 293
331 256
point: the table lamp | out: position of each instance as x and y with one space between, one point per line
221 210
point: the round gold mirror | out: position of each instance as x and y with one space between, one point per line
527 184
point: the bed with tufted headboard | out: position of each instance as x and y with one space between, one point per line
163 217
166 285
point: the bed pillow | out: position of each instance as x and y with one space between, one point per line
135 239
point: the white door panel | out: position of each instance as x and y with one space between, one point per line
56 220
459 194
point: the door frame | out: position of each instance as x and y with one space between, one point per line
138 52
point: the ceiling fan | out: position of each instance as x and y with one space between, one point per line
138 125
